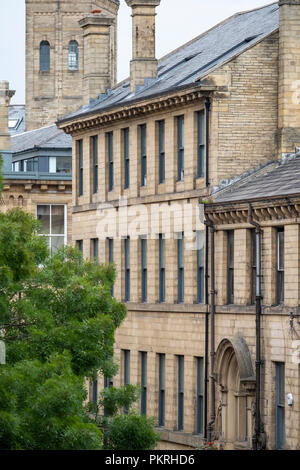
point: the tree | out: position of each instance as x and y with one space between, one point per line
130 431
58 320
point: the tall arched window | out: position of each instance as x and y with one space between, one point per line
44 56
73 55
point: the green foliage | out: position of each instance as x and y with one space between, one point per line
58 320
131 432
1 178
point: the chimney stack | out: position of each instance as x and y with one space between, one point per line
289 76
97 68
144 63
5 96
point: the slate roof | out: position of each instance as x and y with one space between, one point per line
186 65
49 137
16 112
277 179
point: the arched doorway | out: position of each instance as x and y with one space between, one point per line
235 393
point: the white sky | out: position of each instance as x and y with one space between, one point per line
178 21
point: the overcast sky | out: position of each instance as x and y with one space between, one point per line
178 21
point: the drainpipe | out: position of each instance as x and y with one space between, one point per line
211 423
206 333
257 443
207 109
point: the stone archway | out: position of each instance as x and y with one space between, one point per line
235 393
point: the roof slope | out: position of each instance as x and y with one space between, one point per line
45 137
281 180
189 63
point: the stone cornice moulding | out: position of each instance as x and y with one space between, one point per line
135 110
272 212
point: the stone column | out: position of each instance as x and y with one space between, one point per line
5 96
269 265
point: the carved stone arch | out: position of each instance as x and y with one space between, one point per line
243 356
11 202
236 388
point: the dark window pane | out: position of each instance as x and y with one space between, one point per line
43 214
44 56
57 220
201 143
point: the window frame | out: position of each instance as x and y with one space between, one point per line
51 235
73 65
127 269
180 148
110 160
200 266
95 163
200 143
180 392
161 388
230 267
144 270
143 358
180 269
80 166
45 56
161 152
126 152
143 154
280 405
279 268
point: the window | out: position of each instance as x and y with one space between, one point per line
108 382
162 278
80 167
280 266
200 267
280 405
180 148
180 410
60 164
79 245
200 144
94 144
126 358
45 56
111 258
95 391
110 152
161 389
253 266
180 261
127 268
230 267
143 137
54 225
73 55
143 356
199 416
95 249
144 268
161 152
126 158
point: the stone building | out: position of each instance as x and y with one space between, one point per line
37 171
145 157
63 68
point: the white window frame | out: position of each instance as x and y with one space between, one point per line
50 235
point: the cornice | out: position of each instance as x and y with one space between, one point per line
266 211
136 110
